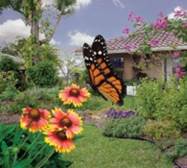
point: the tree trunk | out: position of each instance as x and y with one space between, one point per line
35 29
35 23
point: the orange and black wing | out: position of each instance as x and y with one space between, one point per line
95 75
102 77
117 87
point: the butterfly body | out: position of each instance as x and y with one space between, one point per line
102 77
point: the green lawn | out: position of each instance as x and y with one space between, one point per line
96 151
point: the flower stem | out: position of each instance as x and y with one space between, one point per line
44 160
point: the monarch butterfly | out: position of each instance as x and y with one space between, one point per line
102 77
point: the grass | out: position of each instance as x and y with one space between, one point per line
96 151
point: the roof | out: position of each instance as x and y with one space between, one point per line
166 41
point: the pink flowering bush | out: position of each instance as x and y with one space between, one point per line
177 25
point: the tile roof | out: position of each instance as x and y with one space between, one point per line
132 42
165 41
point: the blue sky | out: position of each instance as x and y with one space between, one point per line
106 17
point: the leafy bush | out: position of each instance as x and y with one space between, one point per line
7 79
173 104
125 128
162 129
178 150
149 93
181 147
9 93
7 64
167 101
35 97
34 53
43 74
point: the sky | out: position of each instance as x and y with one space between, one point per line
91 17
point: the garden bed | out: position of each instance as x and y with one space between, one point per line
9 119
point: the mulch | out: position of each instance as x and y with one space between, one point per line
9 118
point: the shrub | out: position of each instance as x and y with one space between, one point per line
7 64
35 97
148 95
173 104
43 74
9 93
167 101
178 150
181 147
162 129
7 79
125 128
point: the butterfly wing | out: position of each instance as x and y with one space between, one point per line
102 77
113 88
96 77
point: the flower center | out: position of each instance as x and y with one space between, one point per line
74 92
61 135
66 122
34 114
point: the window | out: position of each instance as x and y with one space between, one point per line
117 62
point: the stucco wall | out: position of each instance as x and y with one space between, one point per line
128 73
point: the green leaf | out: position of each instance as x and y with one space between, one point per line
6 154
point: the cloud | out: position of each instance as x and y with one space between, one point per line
118 3
77 5
47 3
12 30
172 14
54 42
78 38
82 3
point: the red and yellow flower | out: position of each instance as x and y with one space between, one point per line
58 139
70 121
34 119
74 95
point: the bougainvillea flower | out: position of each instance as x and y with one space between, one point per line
176 54
58 139
139 20
74 95
34 119
70 121
161 22
131 16
126 31
180 12
179 72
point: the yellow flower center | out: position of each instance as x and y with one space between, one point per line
61 135
74 92
34 114
66 122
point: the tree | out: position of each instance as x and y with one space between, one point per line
32 11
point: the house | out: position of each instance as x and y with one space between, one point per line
159 63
